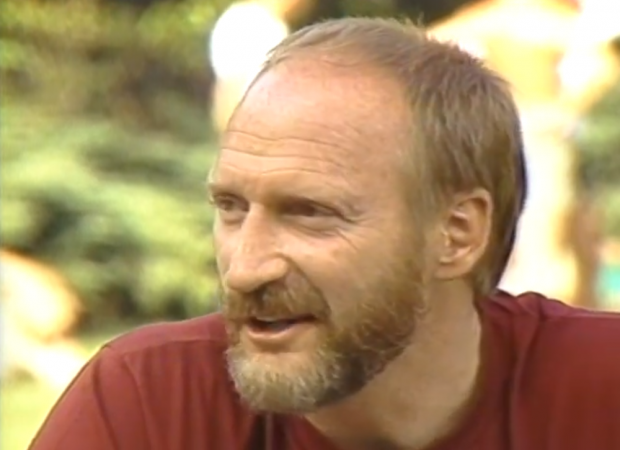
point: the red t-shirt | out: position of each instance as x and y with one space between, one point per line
551 378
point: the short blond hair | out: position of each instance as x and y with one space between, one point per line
465 121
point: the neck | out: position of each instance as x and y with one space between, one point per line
421 396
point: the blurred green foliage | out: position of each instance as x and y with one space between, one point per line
105 148
598 141
122 215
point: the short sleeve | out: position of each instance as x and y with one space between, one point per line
101 410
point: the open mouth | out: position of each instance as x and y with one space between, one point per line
274 325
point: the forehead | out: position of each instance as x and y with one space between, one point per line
324 119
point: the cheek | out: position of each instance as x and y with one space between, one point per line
350 273
222 248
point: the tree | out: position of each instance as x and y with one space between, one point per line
598 140
105 149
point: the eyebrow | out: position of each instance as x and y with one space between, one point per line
348 208
217 187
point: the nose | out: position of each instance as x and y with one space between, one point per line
254 260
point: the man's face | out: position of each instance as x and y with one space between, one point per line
322 269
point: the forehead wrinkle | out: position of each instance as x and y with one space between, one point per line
302 182
263 139
255 168
338 157
257 171
276 146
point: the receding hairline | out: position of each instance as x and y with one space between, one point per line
346 54
385 87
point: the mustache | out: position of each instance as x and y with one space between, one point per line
294 296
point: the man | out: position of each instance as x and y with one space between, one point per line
367 192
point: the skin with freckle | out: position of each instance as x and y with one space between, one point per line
367 191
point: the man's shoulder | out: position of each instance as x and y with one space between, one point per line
561 343
561 371
160 386
554 320
163 359
177 341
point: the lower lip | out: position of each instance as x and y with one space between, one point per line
280 338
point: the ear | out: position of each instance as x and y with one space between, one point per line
464 234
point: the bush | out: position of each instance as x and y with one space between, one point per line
105 149
123 216
598 139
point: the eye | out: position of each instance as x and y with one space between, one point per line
225 203
307 209
229 207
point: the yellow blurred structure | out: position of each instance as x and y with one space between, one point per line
538 45
39 312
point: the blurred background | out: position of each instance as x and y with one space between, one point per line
110 112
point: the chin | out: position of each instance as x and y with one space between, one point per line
291 382
261 367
